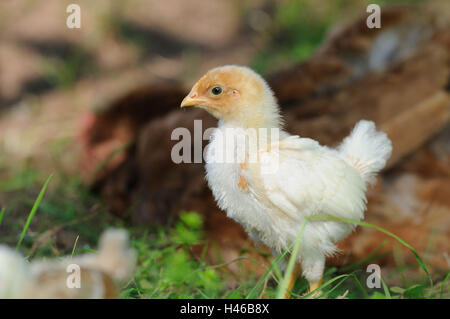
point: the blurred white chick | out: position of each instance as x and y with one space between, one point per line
292 177
99 273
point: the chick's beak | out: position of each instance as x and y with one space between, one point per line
192 99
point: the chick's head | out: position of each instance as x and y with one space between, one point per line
236 95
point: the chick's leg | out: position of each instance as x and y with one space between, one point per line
292 279
313 286
313 271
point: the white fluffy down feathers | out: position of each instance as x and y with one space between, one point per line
309 179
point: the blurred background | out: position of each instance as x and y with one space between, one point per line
95 107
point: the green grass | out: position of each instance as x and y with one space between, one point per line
167 265
378 228
39 212
417 291
2 213
298 27
64 72
32 212
294 34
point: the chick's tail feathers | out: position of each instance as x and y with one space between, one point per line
366 149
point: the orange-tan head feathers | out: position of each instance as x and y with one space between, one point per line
235 94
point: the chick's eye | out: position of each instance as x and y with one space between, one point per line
216 90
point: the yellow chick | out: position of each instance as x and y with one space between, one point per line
270 181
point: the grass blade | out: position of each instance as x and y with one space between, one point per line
252 292
33 211
443 283
326 294
324 285
371 257
74 246
366 295
386 289
2 213
292 261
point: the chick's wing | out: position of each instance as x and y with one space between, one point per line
307 179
